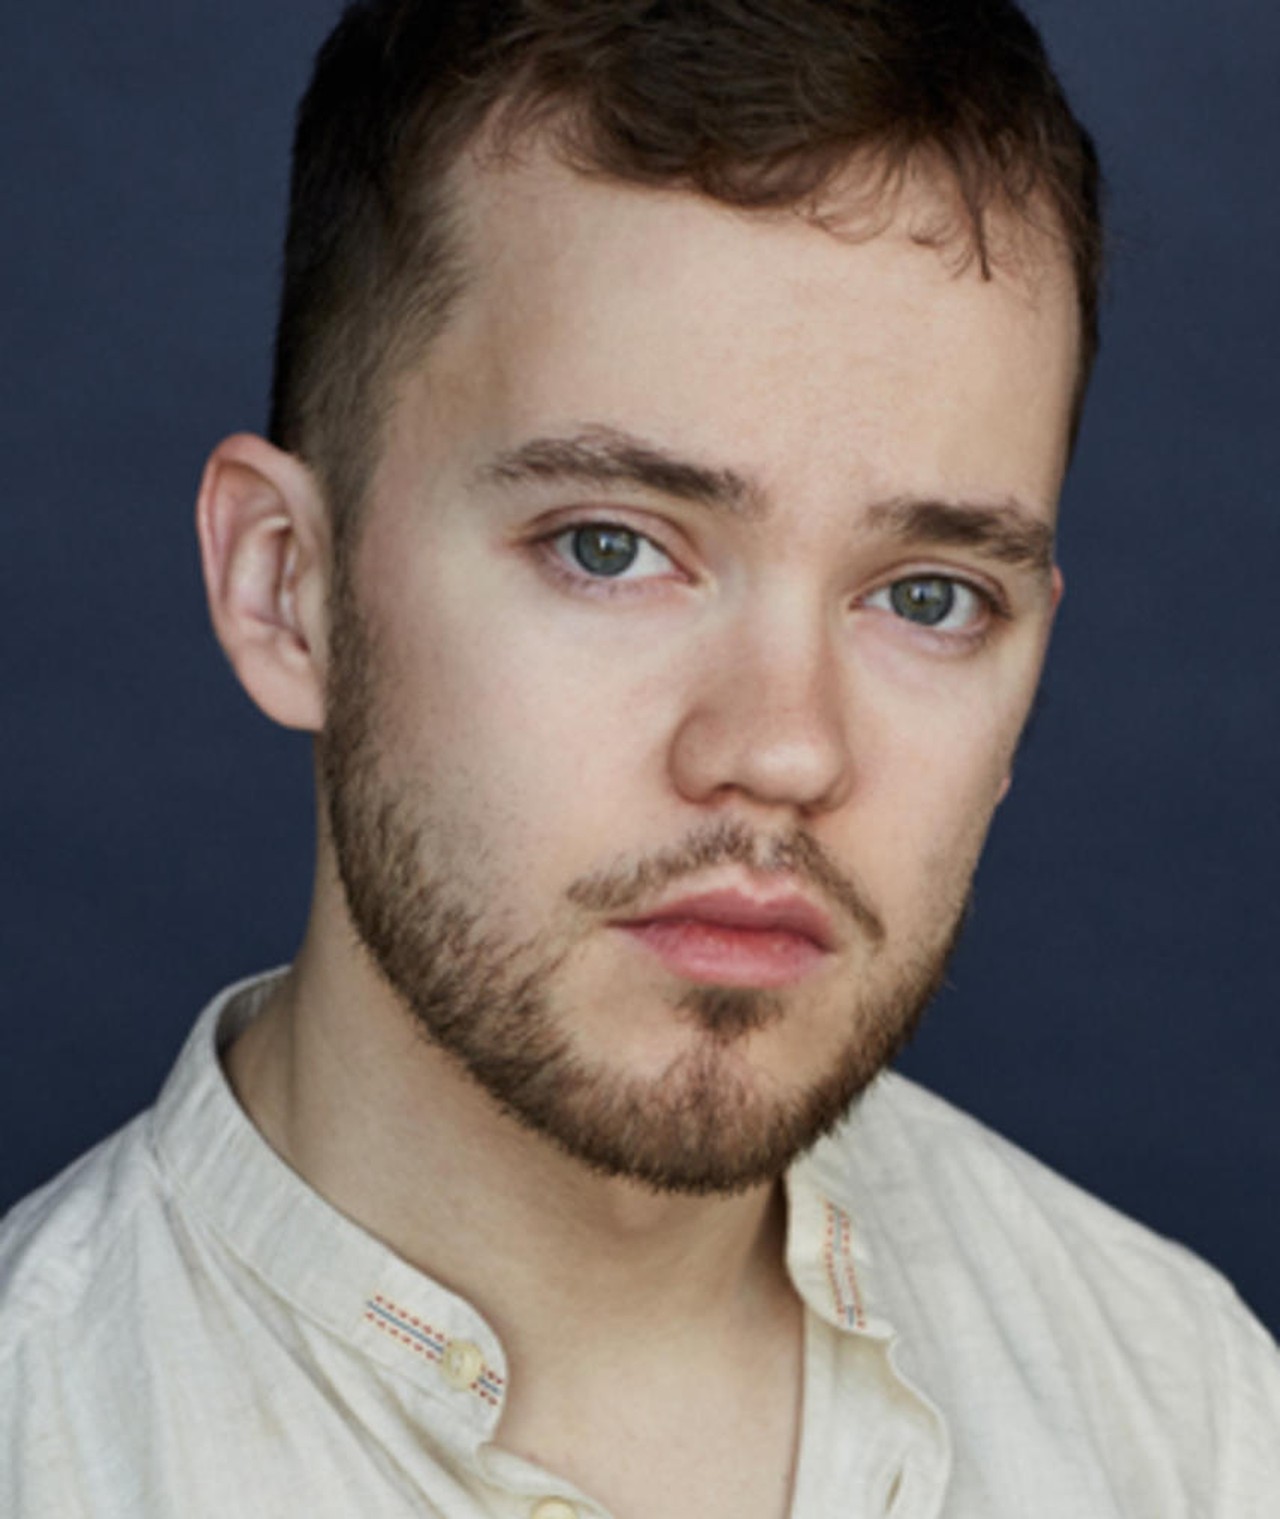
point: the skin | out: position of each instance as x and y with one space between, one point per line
540 728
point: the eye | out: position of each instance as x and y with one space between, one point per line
609 551
937 602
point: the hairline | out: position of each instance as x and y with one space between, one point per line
429 294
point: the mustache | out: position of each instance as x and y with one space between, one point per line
633 884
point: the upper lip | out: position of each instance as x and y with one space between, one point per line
787 912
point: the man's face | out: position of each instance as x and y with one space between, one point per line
702 593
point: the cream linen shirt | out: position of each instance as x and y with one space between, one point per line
188 1331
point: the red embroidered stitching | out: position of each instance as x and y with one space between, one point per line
486 1372
400 1336
848 1302
829 1256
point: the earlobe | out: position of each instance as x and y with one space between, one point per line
264 546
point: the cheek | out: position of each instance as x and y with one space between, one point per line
531 756
931 776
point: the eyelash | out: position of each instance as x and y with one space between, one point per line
993 607
578 578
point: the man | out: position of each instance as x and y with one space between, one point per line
657 535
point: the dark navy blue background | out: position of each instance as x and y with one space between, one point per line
1112 1008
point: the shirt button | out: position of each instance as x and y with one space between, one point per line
462 1363
554 1508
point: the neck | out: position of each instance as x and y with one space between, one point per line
392 1132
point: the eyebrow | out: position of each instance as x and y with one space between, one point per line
605 456
1006 531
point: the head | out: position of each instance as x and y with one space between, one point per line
763 107
671 409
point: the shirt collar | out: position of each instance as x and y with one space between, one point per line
335 1274
331 1272
829 1252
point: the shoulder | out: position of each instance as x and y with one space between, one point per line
63 1244
115 1225
70 1257
948 1183
997 1273
905 1138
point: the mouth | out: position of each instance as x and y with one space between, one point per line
727 938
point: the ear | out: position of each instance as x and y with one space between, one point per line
1057 586
264 546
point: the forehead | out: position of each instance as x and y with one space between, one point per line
757 339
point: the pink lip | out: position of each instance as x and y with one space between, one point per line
727 938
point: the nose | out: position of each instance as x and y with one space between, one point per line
766 721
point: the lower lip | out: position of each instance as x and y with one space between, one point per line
721 954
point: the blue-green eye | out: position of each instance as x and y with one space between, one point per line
604 549
609 551
928 601
937 602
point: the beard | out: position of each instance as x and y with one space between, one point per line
709 1123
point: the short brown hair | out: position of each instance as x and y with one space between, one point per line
756 103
